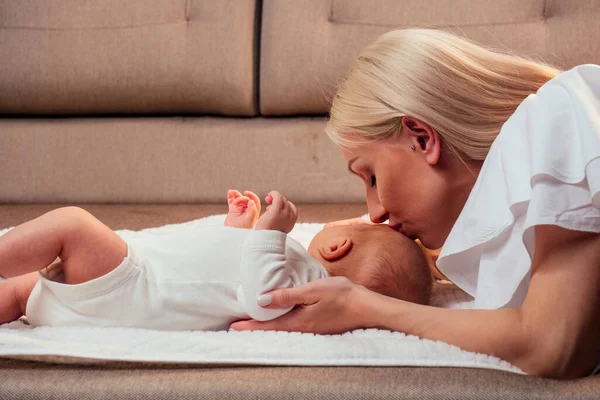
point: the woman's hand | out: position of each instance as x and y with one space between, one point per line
324 306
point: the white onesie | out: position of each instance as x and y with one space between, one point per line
201 279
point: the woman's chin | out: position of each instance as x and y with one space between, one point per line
431 243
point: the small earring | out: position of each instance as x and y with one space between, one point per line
412 147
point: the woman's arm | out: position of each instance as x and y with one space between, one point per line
554 334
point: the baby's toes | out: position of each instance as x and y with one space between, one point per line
255 199
241 203
232 195
244 214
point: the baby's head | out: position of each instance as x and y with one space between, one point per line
376 257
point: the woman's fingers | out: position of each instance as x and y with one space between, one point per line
287 322
284 298
321 306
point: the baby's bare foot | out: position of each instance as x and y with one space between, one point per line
256 201
243 210
232 195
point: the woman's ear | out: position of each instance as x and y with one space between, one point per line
335 248
424 138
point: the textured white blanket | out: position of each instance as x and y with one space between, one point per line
370 347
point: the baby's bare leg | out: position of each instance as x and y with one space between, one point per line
87 248
14 294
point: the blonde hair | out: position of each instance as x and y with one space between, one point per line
465 91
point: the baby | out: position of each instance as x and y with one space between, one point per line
196 279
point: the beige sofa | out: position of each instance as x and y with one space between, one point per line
145 112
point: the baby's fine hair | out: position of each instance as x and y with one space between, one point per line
396 267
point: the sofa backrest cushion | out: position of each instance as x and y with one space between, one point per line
307 46
128 57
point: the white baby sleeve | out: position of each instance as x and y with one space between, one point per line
263 268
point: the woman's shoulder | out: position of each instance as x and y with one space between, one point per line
584 77
544 168
574 92
577 86
556 131
587 71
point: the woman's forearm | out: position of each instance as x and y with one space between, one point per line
554 333
494 332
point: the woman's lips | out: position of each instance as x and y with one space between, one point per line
398 228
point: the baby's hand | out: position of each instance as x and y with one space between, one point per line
281 214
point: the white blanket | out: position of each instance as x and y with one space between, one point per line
371 347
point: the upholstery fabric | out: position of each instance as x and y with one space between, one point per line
34 380
128 57
169 160
142 216
307 46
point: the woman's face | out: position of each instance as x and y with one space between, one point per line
407 187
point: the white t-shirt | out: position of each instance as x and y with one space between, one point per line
543 168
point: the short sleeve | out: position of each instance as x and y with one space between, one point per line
543 168
565 154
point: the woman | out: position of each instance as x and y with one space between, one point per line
494 158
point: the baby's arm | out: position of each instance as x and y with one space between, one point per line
264 266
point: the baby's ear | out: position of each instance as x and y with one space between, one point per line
335 248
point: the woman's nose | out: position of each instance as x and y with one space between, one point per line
377 213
